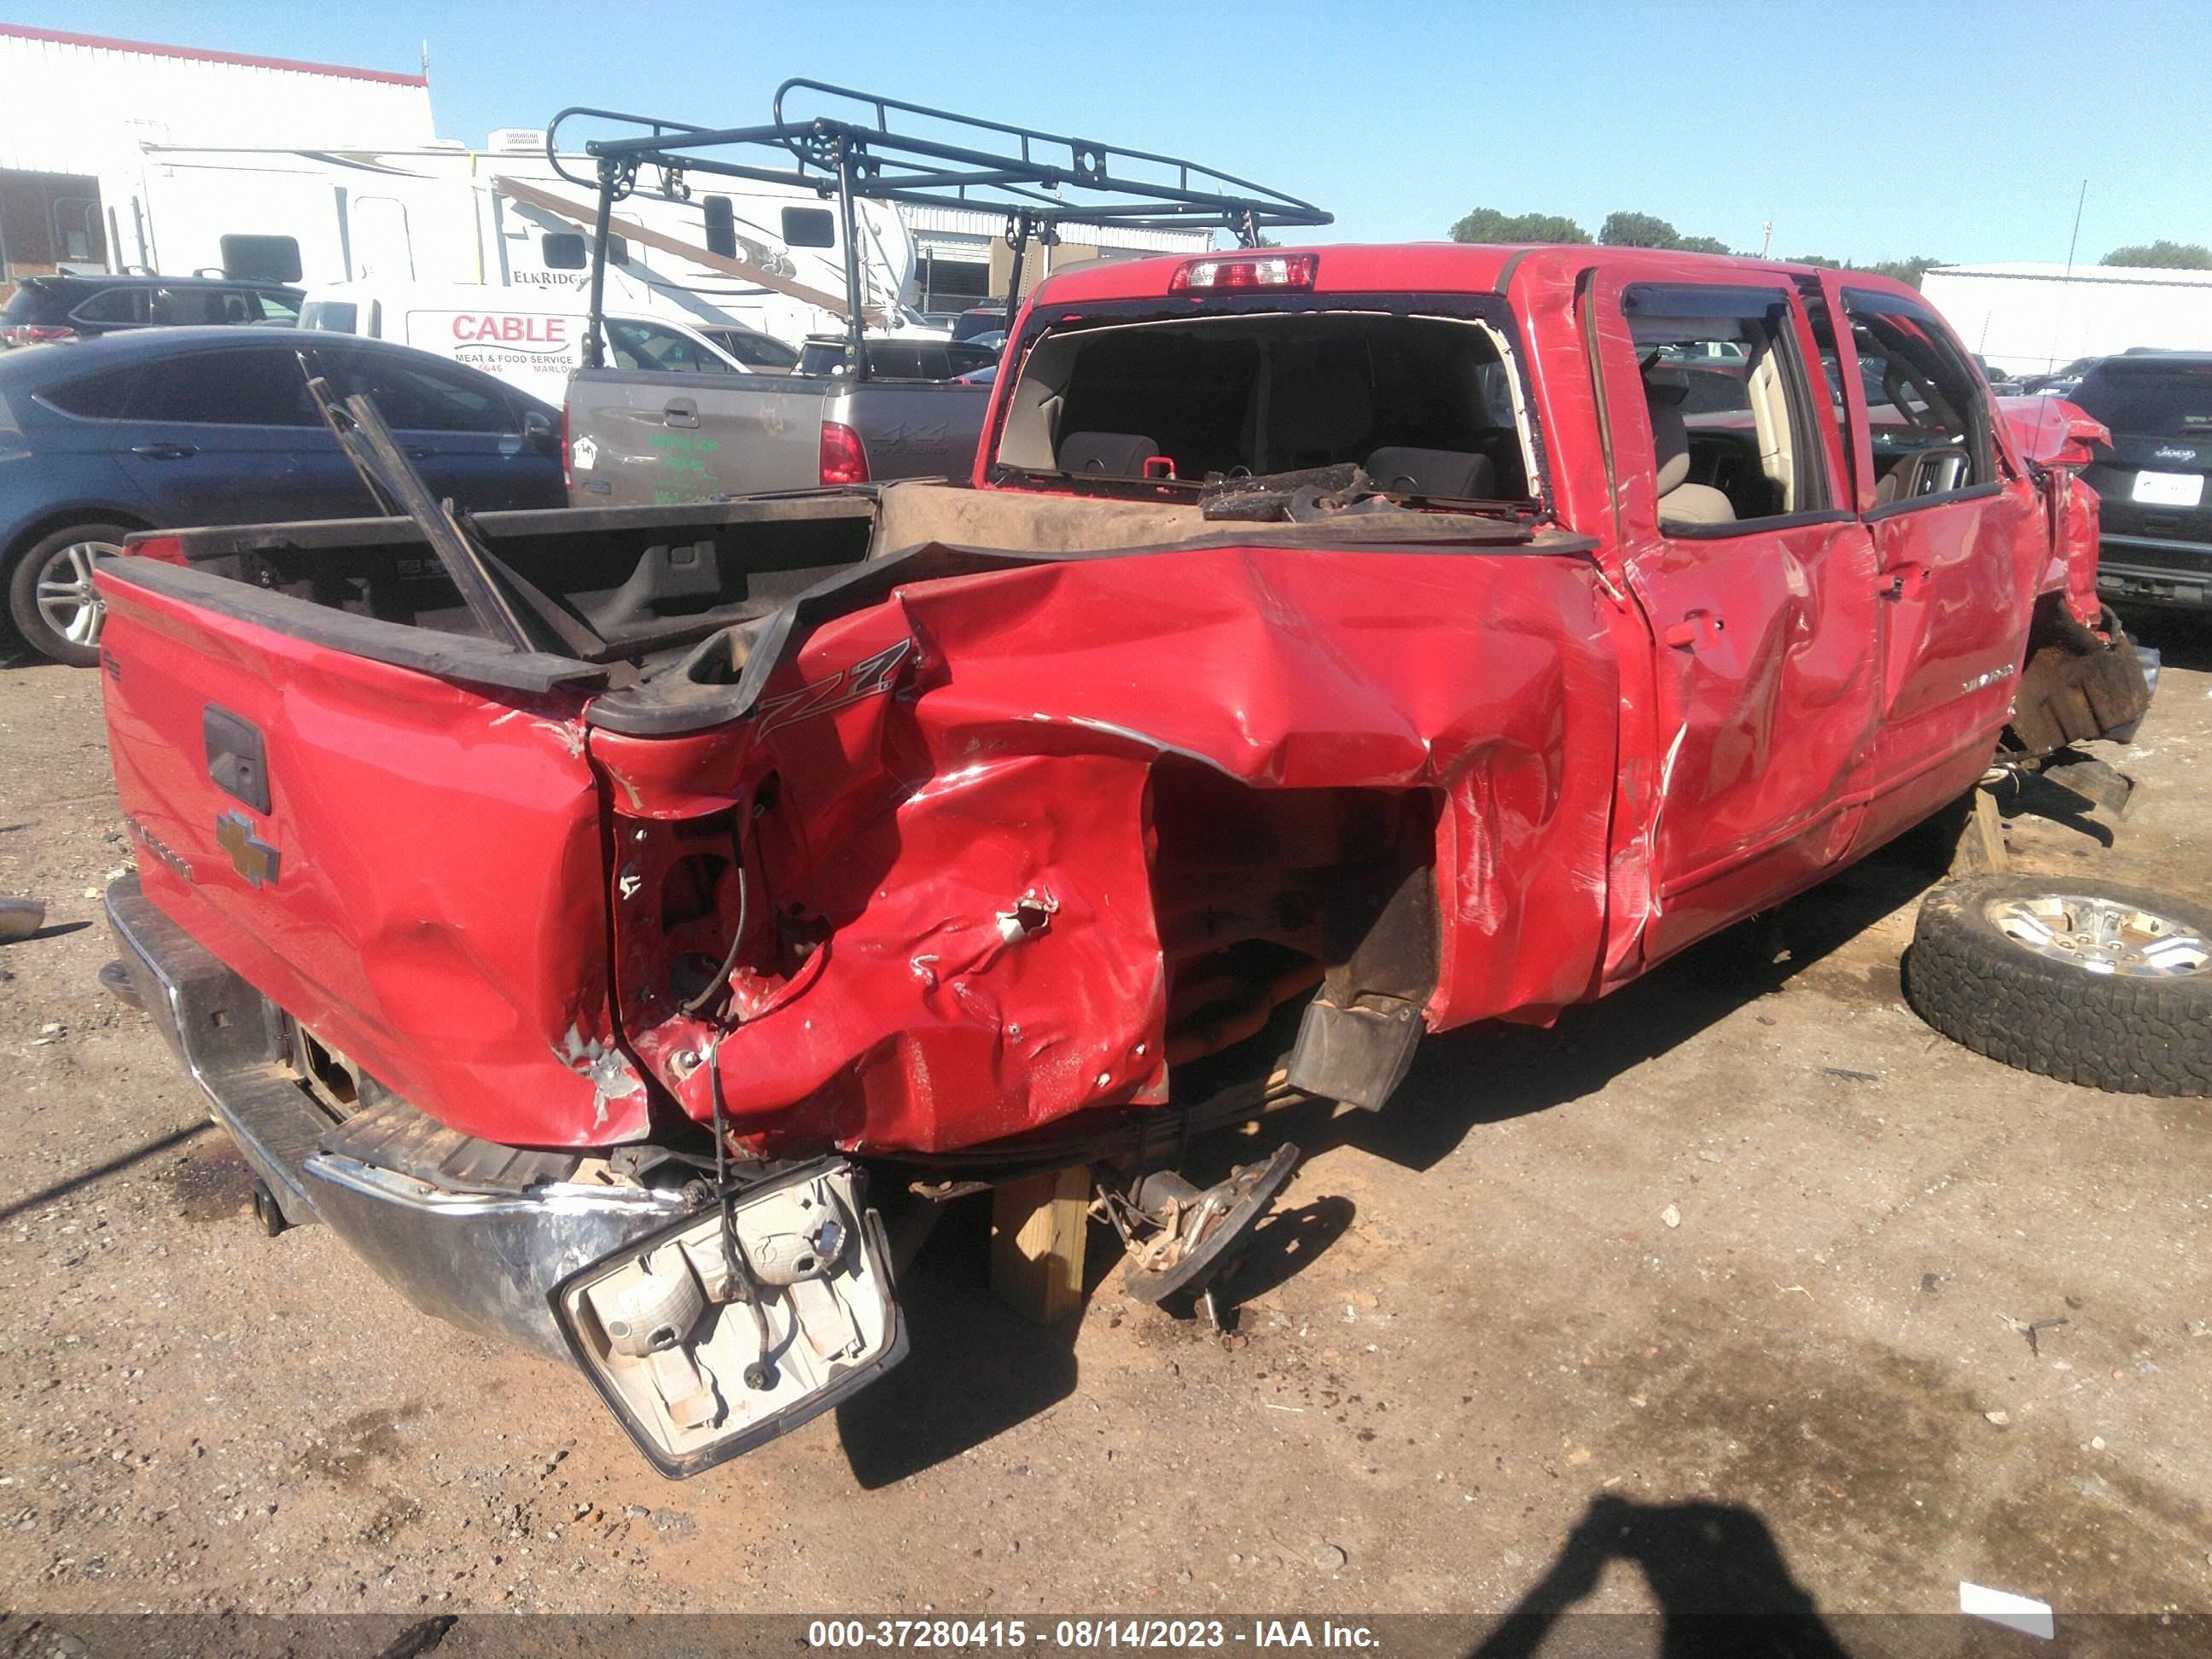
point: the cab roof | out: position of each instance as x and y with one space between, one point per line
1435 268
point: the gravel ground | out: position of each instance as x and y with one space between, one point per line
1735 1266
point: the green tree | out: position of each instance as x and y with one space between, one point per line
1489 225
1821 259
2162 255
1701 245
1638 230
1908 272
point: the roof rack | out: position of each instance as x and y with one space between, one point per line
1038 180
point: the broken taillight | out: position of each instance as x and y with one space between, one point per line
1244 273
169 549
24 334
844 458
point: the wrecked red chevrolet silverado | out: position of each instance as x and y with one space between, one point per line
1332 647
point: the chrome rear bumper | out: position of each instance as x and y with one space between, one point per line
487 1261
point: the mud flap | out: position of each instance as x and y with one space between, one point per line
670 1327
2077 686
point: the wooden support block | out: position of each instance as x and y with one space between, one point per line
1982 849
1037 1230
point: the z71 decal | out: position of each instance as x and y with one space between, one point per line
871 677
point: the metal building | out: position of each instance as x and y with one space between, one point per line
2032 319
77 105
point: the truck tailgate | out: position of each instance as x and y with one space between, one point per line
411 865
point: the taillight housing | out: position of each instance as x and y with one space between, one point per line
169 549
1245 273
844 458
24 334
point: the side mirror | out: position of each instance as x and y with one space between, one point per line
538 432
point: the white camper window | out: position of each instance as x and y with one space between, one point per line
263 258
808 227
563 250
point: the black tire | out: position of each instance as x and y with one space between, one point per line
1983 987
31 566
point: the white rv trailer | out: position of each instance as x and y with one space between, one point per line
502 217
2036 319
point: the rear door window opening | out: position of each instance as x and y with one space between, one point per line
1736 441
1431 406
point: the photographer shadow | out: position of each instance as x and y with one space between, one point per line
1715 1570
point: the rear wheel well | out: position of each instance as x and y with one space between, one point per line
46 524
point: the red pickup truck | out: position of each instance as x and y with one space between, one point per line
1335 646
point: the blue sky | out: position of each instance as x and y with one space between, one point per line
1864 130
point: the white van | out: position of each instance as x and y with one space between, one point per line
532 339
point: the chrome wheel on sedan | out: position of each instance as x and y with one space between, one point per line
66 595
51 596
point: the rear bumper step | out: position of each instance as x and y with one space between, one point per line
473 1233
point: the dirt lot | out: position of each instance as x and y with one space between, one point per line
1470 1323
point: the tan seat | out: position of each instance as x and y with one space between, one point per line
1681 501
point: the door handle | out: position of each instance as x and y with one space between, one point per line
680 411
1894 585
1690 633
165 452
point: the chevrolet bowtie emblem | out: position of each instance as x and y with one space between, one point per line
250 856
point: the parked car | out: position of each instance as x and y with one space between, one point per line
50 310
640 437
1333 647
182 425
531 338
2150 481
979 320
764 354
2060 383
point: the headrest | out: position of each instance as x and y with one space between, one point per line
1670 444
1114 454
1666 382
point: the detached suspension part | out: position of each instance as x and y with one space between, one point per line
1182 1238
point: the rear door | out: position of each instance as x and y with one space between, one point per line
2155 482
1960 540
229 435
402 854
1759 583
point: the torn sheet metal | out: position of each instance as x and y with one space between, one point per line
966 854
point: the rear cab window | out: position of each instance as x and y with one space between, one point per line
1425 394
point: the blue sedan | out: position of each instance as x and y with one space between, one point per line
178 427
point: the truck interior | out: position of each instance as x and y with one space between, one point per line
1428 406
